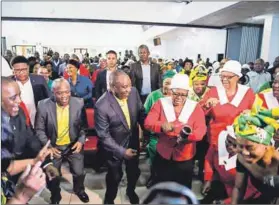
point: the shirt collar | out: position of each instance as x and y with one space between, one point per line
78 79
145 64
20 83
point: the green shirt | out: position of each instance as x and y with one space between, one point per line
265 86
152 98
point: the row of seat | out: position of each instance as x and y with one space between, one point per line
91 143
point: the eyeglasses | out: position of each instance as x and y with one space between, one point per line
223 77
62 92
23 70
179 94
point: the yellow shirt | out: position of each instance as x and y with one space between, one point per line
63 125
124 106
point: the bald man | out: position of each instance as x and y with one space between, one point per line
117 114
67 137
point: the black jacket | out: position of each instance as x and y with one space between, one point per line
137 78
101 84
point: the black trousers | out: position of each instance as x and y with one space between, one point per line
76 162
201 150
115 174
169 170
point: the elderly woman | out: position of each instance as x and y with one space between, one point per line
257 159
179 123
152 98
225 102
81 86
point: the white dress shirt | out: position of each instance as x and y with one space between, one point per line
107 78
27 96
256 80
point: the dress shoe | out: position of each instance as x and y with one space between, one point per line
108 202
83 196
54 202
133 197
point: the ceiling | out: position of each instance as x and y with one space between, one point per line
241 12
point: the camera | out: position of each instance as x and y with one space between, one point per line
185 132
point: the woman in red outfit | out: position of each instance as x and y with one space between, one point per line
224 103
167 117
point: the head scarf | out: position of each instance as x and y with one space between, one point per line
168 74
257 126
199 73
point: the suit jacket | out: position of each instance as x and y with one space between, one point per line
136 76
26 145
101 84
40 88
46 121
111 126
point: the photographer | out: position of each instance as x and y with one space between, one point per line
179 123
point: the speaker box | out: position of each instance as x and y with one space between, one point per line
220 57
157 41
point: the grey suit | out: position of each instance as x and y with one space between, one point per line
46 128
116 136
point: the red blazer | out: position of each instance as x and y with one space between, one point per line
224 115
166 146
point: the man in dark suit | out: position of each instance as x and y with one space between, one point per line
33 87
145 75
117 114
102 85
67 137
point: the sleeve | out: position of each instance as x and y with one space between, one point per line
208 95
89 87
160 82
40 125
148 103
103 133
239 167
98 87
133 75
142 113
199 126
152 121
208 164
83 124
45 90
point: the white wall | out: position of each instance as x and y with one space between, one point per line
99 38
189 42
64 37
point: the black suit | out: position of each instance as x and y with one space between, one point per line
40 88
115 136
137 77
101 84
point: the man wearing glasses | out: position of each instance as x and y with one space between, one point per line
179 123
33 88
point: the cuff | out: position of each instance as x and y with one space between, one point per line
45 166
208 176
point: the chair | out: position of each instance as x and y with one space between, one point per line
91 139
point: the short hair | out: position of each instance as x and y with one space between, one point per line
47 62
143 47
112 52
74 63
56 83
6 80
32 58
261 61
188 61
114 75
19 59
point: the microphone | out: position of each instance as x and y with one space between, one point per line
271 181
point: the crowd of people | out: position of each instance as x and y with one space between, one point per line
222 115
